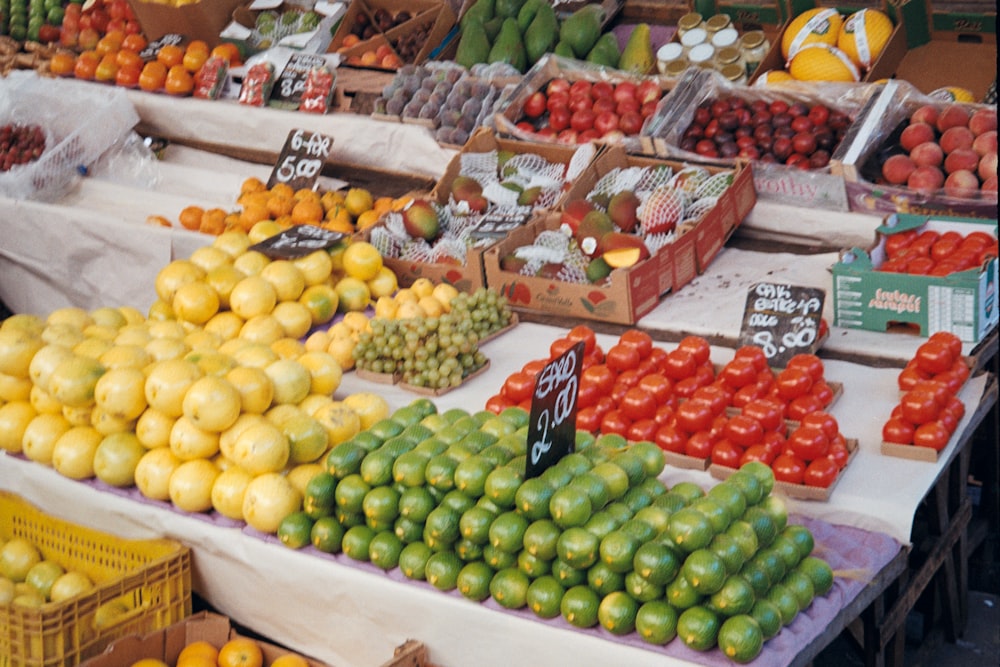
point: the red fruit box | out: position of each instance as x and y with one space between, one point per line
798 491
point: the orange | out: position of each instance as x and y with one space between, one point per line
282 190
198 45
62 63
170 55
241 652
127 58
134 42
279 205
195 661
110 43
252 184
149 662
307 211
229 52
252 214
200 648
153 76
128 77
194 59
86 64
179 81
213 221
290 660
190 217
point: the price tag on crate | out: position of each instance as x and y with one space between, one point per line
552 426
301 160
171 39
297 241
497 226
782 320
291 82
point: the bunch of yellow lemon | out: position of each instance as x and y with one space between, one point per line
29 579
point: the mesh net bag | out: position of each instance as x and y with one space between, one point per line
698 208
449 249
714 185
661 210
480 166
689 179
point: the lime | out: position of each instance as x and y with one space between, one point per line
633 465
611 442
509 587
689 491
320 497
601 523
763 473
440 472
595 486
771 563
413 559
640 530
740 638
579 606
762 524
656 562
415 433
617 550
802 537
345 459
775 506
518 463
398 445
637 497
386 428
473 580
730 498
540 539
785 600
556 477
424 406
574 463
458 501
416 503
516 416
698 628
498 559
617 612
442 524
496 454
725 547
578 547
406 415
376 468
492 424
670 501
408 469
381 504
787 550
451 434
479 440
745 536
749 484
681 594
408 531
489 505
566 574
294 530
441 570
652 457
690 530
531 565
378 525
656 622
801 587
819 571
603 579
584 441
356 540
470 475
367 440
654 487
327 534
516 443
705 571
544 596
474 525
715 511
507 532
569 507
467 550
768 617
431 446
532 498
620 511
756 575
384 550
351 492
736 596
641 588
348 519
434 422
656 517
615 476
501 486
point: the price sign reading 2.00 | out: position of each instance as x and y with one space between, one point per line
552 426
782 320
301 160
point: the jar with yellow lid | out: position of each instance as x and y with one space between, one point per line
754 46
689 21
729 55
718 22
675 68
734 73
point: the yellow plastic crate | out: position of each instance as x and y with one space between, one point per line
146 582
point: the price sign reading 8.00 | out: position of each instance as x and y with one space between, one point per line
301 160
552 426
782 320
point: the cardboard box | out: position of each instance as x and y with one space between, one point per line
200 20
943 63
964 303
969 21
242 28
873 136
421 12
630 293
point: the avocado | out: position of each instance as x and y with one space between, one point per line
582 28
492 28
508 46
473 45
540 36
605 51
508 8
563 49
527 13
482 11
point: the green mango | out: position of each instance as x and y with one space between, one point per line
605 51
563 49
493 27
482 11
582 28
508 8
473 45
508 46
540 36
527 13
637 56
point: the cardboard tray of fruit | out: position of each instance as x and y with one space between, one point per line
408 32
706 117
912 153
797 491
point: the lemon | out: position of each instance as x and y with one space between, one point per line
362 260
863 36
822 62
269 498
953 94
814 26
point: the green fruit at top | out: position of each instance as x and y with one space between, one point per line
581 29
637 56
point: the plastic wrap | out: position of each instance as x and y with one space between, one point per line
81 121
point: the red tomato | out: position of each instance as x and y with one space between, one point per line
697 346
699 445
919 406
801 406
910 376
809 443
694 415
717 397
588 419
664 414
922 244
622 357
839 453
739 372
931 434
614 421
920 266
945 245
639 339
604 404
774 442
642 429
647 367
823 392
669 439
629 378
726 453
618 392
754 353
600 375
948 420
821 473
743 430
792 383
757 453
895 243
679 364
637 404
587 395
658 385
559 346
951 380
934 357
658 355
748 394
518 386
788 468
898 431
705 374
825 421
955 406
534 367
769 413
808 362
685 388
960 368
497 404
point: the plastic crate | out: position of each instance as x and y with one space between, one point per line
147 581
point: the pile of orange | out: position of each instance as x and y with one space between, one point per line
115 59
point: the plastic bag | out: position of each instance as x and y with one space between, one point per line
81 121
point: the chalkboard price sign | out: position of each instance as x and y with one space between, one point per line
782 320
297 241
291 82
301 160
552 426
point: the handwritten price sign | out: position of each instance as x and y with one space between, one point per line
297 241
782 320
301 160
552 427
291 82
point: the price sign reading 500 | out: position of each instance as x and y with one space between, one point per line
295 167
552 429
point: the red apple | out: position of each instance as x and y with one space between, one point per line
579 102
582 119
557 86
961 183
926 178
989 185
927 154
602 89
525 126
557 99
985 143
630 122
602 104
567 136
983 120
534 106
955 138
559 118
626 105
580 87
925 114
915 134
897 169
624 90
648 109
648 91
588 135
953 115
606 121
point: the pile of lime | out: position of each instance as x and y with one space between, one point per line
597 538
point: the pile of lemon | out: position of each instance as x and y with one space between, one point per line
29 579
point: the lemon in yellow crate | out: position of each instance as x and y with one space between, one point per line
118 587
